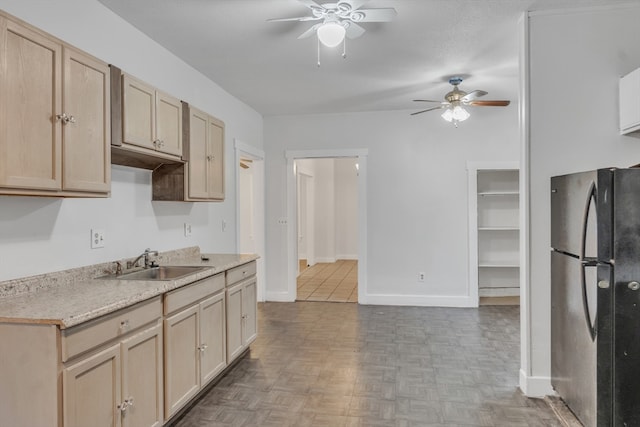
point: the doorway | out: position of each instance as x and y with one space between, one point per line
250 233
326 198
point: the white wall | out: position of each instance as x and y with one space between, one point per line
417 192
575 62
39 235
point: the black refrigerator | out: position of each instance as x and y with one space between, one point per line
595 295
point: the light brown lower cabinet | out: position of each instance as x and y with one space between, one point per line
241 315
195 340
119 386
136 367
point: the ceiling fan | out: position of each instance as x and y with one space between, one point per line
338 20
245 163
457 99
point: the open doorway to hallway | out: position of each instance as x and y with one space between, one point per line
327 222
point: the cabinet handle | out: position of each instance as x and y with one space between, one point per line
124 325
123 406
209 158
65 118
202 348
156 143
129 401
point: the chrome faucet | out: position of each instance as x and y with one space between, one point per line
145 254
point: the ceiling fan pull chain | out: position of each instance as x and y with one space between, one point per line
318 52
344 48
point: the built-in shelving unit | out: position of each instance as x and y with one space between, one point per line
494 230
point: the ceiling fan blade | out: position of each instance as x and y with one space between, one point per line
244 166
429 109
428 100
311 31
378 15
354 30
300 18
490 103
473 95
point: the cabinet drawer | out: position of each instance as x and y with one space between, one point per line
189 294
84 337
241 272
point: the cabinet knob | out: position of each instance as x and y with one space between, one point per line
634 286
129 401
124 325
156 142
209 158
123 406
202 348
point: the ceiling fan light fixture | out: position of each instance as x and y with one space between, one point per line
456 114
331 34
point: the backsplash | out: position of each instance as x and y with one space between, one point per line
44 281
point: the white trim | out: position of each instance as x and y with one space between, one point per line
257 155
472 189
525 275
292 221
325 260
535 386
419 300
350 257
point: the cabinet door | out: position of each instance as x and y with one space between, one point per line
234 322
213 354
198 164
86 149
138 112
92 390
30 100
249 312
182 374
142 385
215 170
168 124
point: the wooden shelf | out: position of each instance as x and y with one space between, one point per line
494 236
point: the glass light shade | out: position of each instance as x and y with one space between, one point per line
331 34
456 113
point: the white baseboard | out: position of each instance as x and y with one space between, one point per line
535 386
327 260
279 297
419 300
348 257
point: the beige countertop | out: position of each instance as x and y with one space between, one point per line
79 300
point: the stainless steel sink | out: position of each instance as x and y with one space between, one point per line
165 272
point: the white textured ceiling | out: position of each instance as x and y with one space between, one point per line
266 66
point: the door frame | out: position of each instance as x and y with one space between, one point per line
305 179
245 150
292 222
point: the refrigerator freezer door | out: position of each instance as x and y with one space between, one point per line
574 352
571 199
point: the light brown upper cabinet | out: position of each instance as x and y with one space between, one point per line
54 116
201 178
206 156
150 119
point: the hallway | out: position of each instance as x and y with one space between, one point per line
333 365
333 282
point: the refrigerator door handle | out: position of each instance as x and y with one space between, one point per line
588 262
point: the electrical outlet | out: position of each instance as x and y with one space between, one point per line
282 221
421 276
97 238
187 229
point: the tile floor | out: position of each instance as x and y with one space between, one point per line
334 282
326 364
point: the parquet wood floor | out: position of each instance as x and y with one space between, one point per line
325 364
